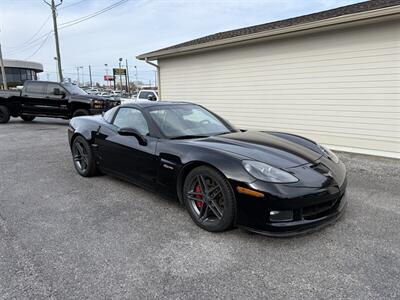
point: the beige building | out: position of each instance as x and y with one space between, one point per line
332 76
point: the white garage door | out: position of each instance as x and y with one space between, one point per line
340 88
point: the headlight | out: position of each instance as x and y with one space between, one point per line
330 154
268 173
98 103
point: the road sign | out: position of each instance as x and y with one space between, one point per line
119 71
108 78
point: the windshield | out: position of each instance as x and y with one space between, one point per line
74 89
180 121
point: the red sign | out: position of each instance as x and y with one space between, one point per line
108 78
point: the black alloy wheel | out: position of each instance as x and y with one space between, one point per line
83 157
4 114
209 199
27 118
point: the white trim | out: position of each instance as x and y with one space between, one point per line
368 16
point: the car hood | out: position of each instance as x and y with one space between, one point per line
261 146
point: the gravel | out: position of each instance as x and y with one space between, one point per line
67 237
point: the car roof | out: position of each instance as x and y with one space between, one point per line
145 104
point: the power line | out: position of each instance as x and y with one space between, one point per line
90 16
34 35
72 4
68 24
40 47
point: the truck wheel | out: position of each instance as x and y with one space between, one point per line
80 112
4 114
28 118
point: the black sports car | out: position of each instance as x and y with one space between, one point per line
269 182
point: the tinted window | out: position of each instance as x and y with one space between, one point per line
74 89
131 118
183 120
36 87
108 116
52 86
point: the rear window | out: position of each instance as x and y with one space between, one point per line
145 95
36 87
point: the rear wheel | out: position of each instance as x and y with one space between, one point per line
4 114
83 157
80 112
28 118
209 199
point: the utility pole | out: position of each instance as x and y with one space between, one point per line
77 72
54 12
127 76
90 75
3 71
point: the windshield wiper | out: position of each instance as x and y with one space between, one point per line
189 136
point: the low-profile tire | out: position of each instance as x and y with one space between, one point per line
83 157
80 112
4 114
28 118
209 199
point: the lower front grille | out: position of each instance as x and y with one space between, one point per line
320 210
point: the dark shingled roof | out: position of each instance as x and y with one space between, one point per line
332 13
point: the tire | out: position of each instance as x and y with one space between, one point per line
28 118
80 112
4 114
83 157
209 199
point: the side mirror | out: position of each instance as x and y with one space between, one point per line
58 92
133 132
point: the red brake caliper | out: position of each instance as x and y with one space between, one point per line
197 189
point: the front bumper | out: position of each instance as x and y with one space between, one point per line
299 227
288 210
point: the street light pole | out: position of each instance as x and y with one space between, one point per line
127 77
120 75
54 13
136 78
77 72
108 83
83 76
90 75
3 71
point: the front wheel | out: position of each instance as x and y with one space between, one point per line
28 118
83 157
4 114
80 112
209 199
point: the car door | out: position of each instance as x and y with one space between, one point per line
123 155
56 104
34 98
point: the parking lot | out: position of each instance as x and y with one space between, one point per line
64 236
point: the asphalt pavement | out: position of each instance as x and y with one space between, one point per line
67 237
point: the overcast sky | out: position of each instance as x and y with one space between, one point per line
132 28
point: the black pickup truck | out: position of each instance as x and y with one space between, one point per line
50 99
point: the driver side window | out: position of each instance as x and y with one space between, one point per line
51 87
131 118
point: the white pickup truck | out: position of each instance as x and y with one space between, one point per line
147 95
